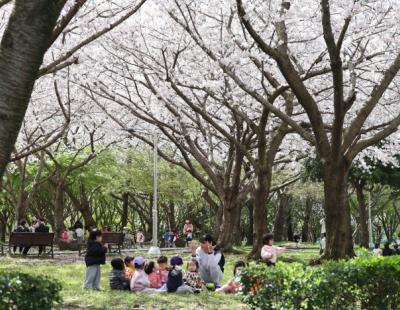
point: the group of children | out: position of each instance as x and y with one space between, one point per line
137 275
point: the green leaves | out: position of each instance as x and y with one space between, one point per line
23 291
362 283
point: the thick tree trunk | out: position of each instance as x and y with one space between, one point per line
251 222
22 48
337 212
279 223
82 206
363 216
260 213
289 226
226 238
125 207
218 223
305 230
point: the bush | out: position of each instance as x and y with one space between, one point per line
361 283
23 291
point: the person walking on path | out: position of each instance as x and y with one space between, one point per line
208 259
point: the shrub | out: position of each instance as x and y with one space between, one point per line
361 283
24 291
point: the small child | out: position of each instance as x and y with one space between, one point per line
163 268
233 286
79 234
129 267
153 274
377 251
270 252
118 280
192 277
139 282
175 277
95 256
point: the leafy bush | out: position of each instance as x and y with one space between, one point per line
361 283
23 291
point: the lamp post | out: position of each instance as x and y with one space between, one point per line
154 249
371 244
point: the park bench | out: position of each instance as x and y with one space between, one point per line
23 239
111 238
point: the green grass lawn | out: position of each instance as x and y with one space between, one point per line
71 275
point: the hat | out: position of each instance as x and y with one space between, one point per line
206 238
139 260
176 260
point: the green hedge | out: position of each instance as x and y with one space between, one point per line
361 283
23 291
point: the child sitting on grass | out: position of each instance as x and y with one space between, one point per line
129 267
175 277
153 274
270 252
233 286
118 280
95 256
163 268
139 282
192 277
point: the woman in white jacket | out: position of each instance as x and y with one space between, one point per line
208 259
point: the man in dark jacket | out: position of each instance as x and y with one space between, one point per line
95 256
118 281
41 228
22 227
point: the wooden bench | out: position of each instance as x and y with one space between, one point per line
113 238
24 239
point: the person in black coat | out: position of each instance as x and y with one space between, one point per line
22 227
387 251
41 228
95 256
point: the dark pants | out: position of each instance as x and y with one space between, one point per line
269 263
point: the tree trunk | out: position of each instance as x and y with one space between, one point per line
218 222
24 43
251 222
362 209
125 207
289 226
226 238
260 212
59 211
305 230
279 223
337 212
82 206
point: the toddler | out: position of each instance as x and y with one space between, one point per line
118 280
270 252
192 277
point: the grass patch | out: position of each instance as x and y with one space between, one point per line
71 275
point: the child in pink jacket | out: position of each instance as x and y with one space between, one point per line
270 252
154 275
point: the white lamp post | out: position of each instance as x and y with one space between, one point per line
154 249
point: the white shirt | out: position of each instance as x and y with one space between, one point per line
323 244
79 232
271 252
377 252
207 260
